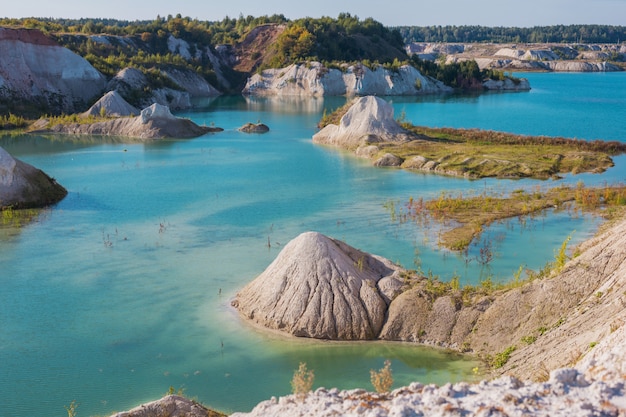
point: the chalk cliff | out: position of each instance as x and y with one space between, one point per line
313 79
35 69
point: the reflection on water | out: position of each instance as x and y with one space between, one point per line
287 104
123 289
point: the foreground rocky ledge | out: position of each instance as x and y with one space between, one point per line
595 388
568 392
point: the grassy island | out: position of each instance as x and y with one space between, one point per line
465 216
478 154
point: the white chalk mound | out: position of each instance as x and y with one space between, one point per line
369 120
112 104
321 288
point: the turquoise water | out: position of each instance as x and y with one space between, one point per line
123 289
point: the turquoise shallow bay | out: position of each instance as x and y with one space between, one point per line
122 290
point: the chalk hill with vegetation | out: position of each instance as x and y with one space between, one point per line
173 60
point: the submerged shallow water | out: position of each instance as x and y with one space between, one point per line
123 289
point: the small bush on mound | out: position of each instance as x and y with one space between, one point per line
383 379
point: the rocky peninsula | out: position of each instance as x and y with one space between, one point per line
154 122
322 288
366 127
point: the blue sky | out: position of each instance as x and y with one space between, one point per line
522 13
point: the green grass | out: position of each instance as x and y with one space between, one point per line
12 121
464 216
477 153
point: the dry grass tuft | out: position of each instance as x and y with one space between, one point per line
383 379
542 374
302 381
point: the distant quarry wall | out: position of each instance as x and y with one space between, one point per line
314 79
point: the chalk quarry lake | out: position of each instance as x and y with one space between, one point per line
123 289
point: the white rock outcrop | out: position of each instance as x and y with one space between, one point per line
321 288
369 120
112 104
127 80
313 79
35 68
24 186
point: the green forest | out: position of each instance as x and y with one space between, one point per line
537 34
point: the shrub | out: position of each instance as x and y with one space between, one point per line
500 359
383 379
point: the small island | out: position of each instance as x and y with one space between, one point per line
254 128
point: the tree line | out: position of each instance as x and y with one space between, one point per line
537 34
